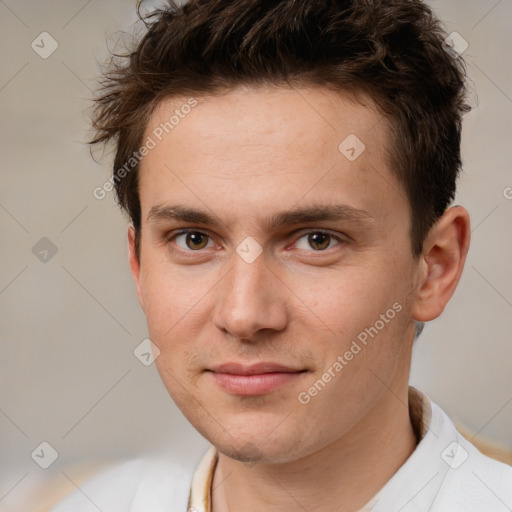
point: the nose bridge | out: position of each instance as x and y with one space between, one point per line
248 300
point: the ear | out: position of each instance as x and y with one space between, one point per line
134 264
442 261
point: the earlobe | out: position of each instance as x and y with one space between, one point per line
134 263
443 259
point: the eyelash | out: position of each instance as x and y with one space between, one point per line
340 240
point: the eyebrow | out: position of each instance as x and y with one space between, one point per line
302 215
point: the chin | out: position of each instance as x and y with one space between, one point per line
256 446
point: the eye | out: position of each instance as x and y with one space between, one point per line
317 240
193 240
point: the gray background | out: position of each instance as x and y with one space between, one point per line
68 375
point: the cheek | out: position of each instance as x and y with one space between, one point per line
360 357
364 314
174 300
349 299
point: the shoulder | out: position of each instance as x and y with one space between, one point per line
474 481
479 483
152 484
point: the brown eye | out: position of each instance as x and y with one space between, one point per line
192 240
196 240
319 241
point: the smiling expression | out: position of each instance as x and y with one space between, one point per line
265 252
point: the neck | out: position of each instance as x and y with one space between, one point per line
341 477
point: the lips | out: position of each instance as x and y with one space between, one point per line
255 379
254 369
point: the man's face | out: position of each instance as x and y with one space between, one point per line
243 335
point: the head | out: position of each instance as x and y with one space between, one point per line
288 169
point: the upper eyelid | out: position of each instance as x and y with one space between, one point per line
177 232
324 231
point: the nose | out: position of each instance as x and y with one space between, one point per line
249 300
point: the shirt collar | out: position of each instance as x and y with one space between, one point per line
420 412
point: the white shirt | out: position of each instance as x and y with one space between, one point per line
445 473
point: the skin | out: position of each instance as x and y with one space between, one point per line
244 157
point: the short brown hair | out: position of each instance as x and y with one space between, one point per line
392 50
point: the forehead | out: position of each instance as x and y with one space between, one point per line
269 144
282 117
